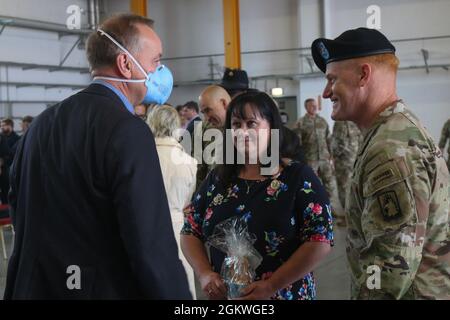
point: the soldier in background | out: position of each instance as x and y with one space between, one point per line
213 103
445 135
314 134
345 141
397 212
235 81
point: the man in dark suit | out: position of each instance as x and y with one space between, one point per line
190 112
88 200
7 128
11 137
5 156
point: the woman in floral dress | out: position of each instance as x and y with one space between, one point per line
288 211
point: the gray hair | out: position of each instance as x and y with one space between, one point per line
163 121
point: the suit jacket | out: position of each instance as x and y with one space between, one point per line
89 207
4 149
191 125
12 139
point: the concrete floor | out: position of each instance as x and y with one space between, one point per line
332 277
4 263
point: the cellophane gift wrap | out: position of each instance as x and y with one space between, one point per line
231 236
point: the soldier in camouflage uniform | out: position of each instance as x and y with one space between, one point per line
213 103
345 141
398 243
315 139
400 184
203 167
445 135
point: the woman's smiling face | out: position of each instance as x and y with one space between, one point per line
250 134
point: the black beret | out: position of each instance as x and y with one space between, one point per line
351 44
234 79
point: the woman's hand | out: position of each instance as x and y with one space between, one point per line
258 290
213 286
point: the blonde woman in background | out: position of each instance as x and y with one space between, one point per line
178 170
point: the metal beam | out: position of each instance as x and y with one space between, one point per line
30 101
3 28
296 76
425 55
300 49
232 37
243 52
28 66
69 52
293 76
41 25
17 85
93 16
45 85
139 7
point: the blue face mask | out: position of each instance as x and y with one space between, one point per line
159 83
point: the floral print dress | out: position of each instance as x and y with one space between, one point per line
283 212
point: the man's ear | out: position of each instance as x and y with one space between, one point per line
224 103
123 64
365 74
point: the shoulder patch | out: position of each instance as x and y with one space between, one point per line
384 174
389 205
380 177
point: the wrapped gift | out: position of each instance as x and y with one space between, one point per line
231 236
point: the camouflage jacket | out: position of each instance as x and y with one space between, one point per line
445 135
345 141
314 137
398 212
203 168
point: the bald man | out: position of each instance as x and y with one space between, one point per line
214 101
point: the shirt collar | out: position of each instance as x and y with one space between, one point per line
197 117
397 107
121 96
